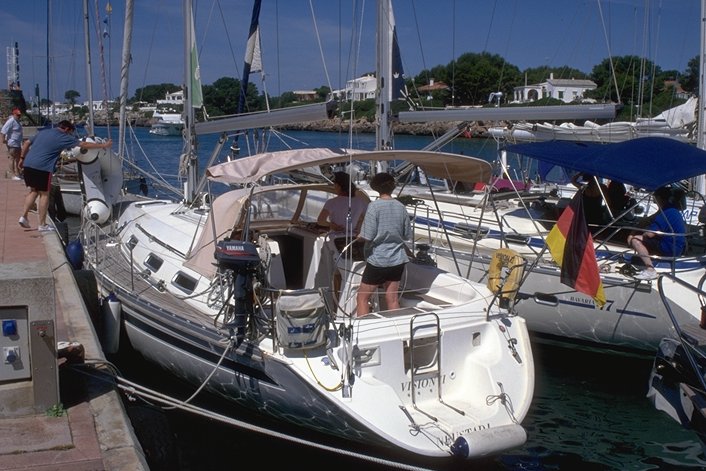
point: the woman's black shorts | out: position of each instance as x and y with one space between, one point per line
373 275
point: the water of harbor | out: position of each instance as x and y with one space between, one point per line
589 412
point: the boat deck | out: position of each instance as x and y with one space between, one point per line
116 271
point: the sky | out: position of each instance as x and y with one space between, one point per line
302 50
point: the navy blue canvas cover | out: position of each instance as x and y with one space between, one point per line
646 162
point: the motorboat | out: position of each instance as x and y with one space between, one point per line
167 124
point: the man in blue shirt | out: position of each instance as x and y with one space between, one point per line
12 136
665 236
39 157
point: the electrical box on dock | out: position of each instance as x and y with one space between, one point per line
29 378
14 344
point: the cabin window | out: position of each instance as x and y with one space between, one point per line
153 262
184 282
274 205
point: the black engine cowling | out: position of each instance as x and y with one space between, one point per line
236 255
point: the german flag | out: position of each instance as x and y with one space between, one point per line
571 246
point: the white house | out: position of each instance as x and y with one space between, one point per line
358 89
566 90
100 105
175 98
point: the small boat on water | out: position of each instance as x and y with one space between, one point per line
167 124
167 118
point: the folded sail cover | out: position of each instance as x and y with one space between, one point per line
571 246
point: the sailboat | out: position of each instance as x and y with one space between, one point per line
88 183
677 382
513 215
235 294
633 319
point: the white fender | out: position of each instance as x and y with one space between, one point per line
86 156
95 207
111 324
112 172
101 182
489 441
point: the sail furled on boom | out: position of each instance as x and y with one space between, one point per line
196 92
253 56
397 75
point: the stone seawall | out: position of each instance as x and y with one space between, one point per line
363 126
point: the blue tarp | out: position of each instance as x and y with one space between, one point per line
646 162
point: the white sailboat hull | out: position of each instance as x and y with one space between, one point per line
462 355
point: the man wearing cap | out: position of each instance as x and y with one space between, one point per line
38 158
12 136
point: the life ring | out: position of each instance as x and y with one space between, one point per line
515 267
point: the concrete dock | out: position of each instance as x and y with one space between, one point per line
88 429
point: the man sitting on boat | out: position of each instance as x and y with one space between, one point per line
593 196
664 236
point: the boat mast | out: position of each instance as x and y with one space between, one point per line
49 15
252 55
700 181
124 69
89 83
384 78
190 157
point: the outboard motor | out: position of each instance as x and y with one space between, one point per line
241 259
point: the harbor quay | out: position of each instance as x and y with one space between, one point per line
54 413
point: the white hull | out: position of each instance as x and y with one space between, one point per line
166 129
462 357
633 319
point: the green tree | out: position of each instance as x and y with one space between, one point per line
322 92
479 75
284 100
644 89
221 98
71 95
632 79
690 77
361 110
